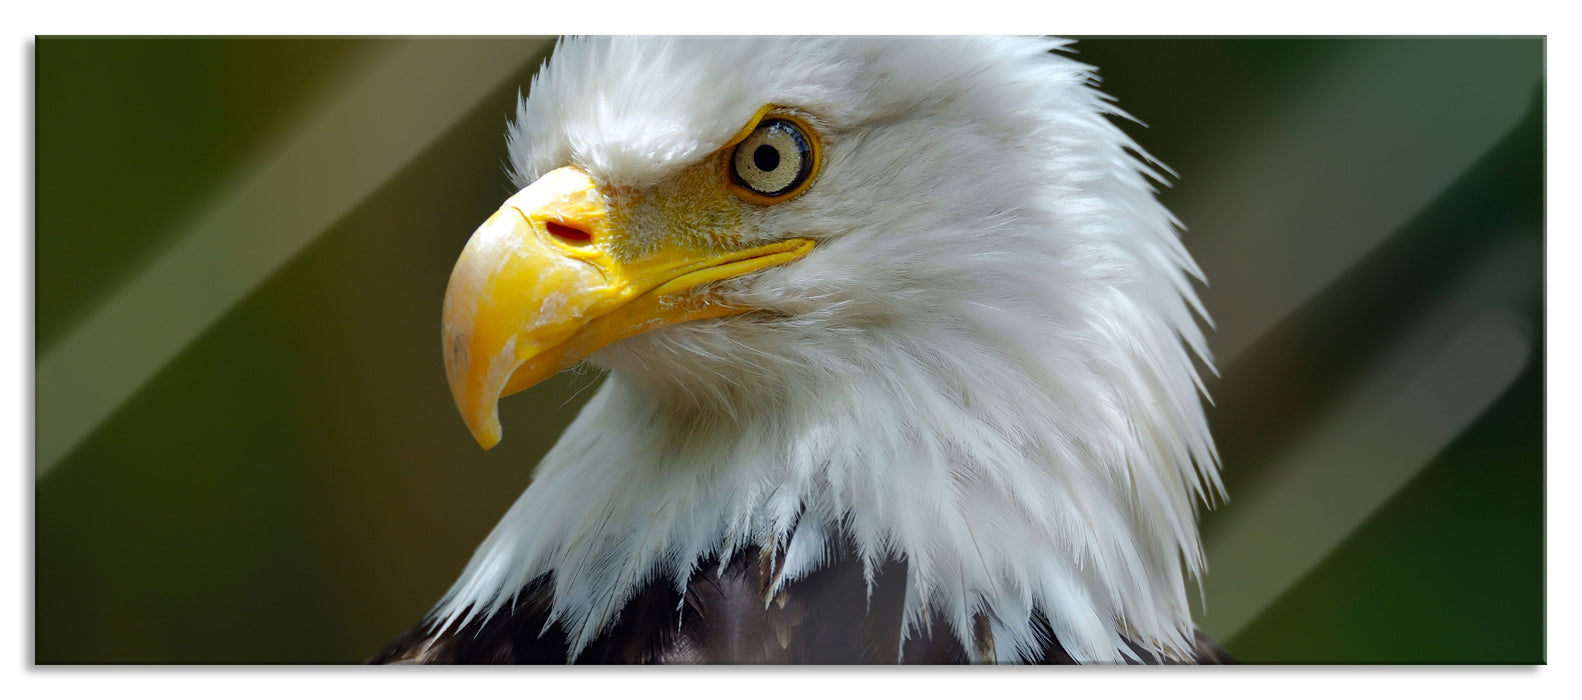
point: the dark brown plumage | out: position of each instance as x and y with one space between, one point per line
726 617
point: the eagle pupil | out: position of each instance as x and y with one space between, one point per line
767 158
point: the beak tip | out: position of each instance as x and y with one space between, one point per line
486 432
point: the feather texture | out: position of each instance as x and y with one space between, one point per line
986 369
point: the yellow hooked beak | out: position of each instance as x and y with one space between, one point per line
540 286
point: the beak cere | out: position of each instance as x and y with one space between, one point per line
541 285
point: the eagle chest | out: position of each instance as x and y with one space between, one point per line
725 616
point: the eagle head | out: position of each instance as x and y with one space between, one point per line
911 297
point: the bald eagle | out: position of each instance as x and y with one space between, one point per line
902 364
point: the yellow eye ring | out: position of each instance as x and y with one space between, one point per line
772 159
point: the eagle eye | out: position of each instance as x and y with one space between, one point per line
774 161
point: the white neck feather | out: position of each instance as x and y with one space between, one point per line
962 460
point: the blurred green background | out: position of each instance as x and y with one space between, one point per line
247 452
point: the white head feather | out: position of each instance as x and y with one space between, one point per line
982 369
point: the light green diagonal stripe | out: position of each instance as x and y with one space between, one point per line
1440 377
344 153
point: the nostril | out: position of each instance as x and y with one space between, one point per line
569 234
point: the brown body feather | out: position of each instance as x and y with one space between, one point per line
726 616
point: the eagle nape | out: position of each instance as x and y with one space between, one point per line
901 364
